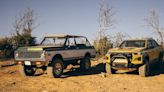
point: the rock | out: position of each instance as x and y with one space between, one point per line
103 74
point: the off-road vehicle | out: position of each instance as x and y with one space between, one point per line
54 54
135 54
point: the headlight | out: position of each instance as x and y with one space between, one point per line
138 53
16 55
42 55
106 57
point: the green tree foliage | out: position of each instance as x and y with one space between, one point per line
102 45
6 47
102 42
23 26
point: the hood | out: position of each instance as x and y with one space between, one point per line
125 50
36 48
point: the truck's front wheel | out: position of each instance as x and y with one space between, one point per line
57 68
26 70
144 70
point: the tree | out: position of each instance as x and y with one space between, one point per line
118 38
105 18
6 47
153 22
23 26
103 41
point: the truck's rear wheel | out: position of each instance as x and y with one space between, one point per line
109 69
57 68
161 64
85 63
144 70
26 70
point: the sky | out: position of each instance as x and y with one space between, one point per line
80 17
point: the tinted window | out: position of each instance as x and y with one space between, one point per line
133 43
149 44
154 43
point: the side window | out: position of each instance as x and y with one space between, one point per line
149 44
154 43
82 42
71 42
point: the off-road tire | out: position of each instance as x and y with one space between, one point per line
26 70
56 69
85 64
109 69
161 64
144 70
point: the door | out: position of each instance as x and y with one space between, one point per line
153 51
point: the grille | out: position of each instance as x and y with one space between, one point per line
119 65
29 54
128 55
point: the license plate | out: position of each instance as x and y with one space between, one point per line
27 63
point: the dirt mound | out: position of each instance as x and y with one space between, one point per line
74 80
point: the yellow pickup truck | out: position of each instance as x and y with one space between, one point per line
135 54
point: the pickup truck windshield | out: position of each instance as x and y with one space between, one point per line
135 43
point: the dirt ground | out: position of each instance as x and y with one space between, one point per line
94 80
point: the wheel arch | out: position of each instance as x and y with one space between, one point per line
57 56
146 58
87 55
161 54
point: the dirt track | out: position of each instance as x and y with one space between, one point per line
76 81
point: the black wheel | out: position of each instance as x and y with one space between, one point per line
57 68
144 70
26 70
85 63
161 64
109 70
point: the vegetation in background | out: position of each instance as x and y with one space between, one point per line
24 25
6 47
103 41
153 22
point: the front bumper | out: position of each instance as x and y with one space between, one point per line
123 61
31 63
123 65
